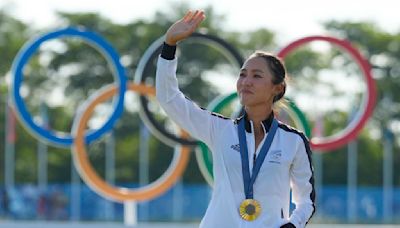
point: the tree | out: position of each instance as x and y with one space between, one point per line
382 50
65 73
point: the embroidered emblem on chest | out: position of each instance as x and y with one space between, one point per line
275 156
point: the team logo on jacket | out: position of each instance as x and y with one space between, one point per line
236 147
275 156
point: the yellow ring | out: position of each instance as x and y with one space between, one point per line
90 176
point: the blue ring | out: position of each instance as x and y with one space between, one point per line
26 53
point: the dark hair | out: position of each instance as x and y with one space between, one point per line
277 68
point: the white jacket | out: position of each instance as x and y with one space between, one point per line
288 163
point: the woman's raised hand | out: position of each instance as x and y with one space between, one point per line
184 27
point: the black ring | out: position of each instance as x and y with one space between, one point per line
140 77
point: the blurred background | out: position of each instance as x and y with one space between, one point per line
356 183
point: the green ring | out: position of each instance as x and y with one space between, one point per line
302 119
203 156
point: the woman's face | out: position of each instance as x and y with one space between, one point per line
254 85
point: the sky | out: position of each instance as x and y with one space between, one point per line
289 19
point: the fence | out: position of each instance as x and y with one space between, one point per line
183 203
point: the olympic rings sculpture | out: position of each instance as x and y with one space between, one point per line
79 138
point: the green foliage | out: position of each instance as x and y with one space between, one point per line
369 163
77 70
382 49
13 34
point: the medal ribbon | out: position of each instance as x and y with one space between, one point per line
249 181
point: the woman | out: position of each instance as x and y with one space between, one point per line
256 158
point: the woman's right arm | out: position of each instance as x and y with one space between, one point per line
198 122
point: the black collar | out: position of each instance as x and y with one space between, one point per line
267 122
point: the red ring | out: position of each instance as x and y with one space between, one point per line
326 144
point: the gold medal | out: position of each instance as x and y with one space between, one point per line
249 209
